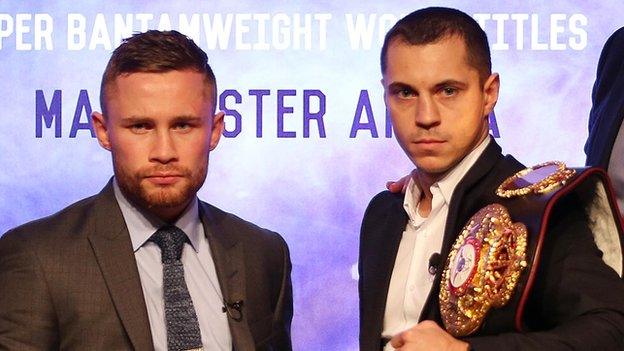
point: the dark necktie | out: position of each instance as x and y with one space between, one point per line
182 327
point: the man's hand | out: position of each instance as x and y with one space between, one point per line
400 185
427 335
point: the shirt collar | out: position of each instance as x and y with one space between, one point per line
142 225
446 185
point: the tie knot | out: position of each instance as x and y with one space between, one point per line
171 241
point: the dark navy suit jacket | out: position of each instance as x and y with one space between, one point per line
607 110
577 301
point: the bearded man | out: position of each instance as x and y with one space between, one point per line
145 264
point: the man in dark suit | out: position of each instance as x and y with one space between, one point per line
144 264
439 90
605 143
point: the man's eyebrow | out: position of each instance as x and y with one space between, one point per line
136 119
144 119
186 119
440 85
400 85
451 82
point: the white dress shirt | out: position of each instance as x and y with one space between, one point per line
411 281
199 273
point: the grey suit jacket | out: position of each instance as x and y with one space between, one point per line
70 281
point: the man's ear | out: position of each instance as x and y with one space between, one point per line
490 93
101 131
217 129
383 86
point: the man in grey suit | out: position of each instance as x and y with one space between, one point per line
144 264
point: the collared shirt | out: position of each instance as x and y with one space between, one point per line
411 281
199 272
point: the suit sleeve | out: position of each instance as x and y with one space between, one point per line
284 307
577 300
27 317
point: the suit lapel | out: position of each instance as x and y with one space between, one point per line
463 200
227 254
112 247
389 236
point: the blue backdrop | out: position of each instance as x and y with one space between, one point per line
307 144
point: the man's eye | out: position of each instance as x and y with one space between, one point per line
139 127
182 126
405 93
449 91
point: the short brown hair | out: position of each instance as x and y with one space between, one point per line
428 25
156 52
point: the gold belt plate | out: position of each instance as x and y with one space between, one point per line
482 269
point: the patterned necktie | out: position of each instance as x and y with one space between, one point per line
182 327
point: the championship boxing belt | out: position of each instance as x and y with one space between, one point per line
492 265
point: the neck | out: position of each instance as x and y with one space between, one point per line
424 181
165 213
168 214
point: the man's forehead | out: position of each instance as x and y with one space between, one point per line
170 77
442 57
143 83
445 45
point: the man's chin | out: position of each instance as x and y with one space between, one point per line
435 169
160 198
165 198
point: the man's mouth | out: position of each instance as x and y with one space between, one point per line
428 141
164 178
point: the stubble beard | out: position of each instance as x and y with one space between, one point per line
156 198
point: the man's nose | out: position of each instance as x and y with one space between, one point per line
163 148
427 113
